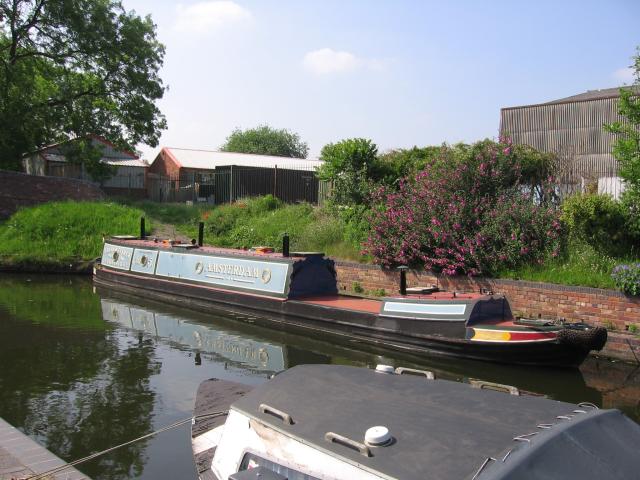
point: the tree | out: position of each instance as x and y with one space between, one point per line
264 140
350 165
626 148
71 68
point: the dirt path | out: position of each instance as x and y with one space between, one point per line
166 231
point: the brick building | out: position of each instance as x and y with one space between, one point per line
179 174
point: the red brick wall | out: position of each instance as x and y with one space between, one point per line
19 189
593 305
607 308
164 165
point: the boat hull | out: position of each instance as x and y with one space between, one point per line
407 335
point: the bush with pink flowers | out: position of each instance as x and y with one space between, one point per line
471 211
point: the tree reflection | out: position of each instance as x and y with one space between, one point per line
77 390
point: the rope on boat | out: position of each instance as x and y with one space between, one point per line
61 468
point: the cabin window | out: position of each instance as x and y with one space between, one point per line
251 460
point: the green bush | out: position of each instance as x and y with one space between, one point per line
631 204
598 220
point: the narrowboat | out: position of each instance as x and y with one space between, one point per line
336 422
299 291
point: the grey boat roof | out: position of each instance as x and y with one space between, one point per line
441 429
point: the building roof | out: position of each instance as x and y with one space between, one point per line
210 159
126 162
55 151
589 95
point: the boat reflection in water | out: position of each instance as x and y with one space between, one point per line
201 338
243 342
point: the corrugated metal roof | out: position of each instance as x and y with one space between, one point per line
126 162
119 162
589 95
210 159
582 97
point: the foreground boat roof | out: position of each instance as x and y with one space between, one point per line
441 429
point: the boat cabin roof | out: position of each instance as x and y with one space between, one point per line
440 429
229 252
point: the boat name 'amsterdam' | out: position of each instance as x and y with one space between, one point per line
235 270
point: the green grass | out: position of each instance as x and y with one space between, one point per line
582 265
62 232
258 221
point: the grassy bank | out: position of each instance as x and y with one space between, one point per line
56 235
580 265
258 221
61 233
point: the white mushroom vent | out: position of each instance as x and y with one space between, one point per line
380 368
377 437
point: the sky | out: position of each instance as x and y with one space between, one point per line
401 73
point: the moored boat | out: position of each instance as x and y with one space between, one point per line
299 291
338 422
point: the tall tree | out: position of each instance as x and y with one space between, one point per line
70 68
264 140
626 148
350 166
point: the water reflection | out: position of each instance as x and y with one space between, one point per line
64 374
201 338
83 371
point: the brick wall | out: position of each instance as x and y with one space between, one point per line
595 306
164 165
592 305
19 189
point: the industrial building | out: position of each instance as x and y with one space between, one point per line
572 128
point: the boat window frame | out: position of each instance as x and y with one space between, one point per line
277 461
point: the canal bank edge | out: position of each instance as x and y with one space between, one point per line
607 308
24 266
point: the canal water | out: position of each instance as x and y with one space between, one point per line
84 370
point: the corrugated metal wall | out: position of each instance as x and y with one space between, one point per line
572 129
127 177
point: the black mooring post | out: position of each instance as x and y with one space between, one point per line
142 229
285 245
403 279
200 233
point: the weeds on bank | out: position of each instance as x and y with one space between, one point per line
581 265
259 221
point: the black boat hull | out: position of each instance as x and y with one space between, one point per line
395 334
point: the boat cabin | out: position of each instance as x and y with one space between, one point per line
337 422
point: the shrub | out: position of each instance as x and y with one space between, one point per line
598 220
627 278
470 214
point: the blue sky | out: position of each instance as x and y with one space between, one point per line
402 73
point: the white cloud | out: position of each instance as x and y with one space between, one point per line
206 16
327 61
624 75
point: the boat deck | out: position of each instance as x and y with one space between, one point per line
22 457
343 302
